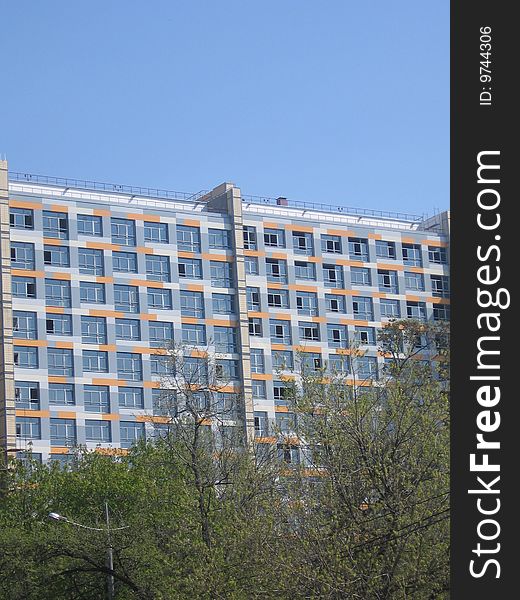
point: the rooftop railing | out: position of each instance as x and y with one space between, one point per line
116 188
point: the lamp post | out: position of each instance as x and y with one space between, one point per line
110 552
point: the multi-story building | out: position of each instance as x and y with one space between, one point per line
96 277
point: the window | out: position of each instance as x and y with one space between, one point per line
257 360
307 303
385 249
188 238
156 232
288 454
227 369
339 364
96 398
28 428
333 276
309 331
24 287
250 242
160 365
194 334
390 308
220 239
130 433
29 458
159 299
57 293
360 276
126 298
95 361
223 304
24 325
365 335
56 256
311 361
164 402
129 366
91 261
130 397
90 225
283 360
365 367
63 432
280 393
221 275
22 256
305 270
441 312
276 270
259 389
128 329
226 339
93 293
55 225
255 327
387 281
97 431
337 336
278 298
27 395
440 286
124 262
158 267
253 298
416 310
414 281
60 361
357 249
331 244
26 357
437 255
412 255
93 330
190 268
21 218
192 304
274 238
123 232
160 333
280 332
335 303
285 422
61 393
195 370
363 308
251 265
261 424
58 324
302 243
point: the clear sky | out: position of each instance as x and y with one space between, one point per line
343 102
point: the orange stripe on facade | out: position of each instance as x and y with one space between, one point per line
390 267
253 253
103 246
59 208
20 412
22 204
375 236
110 417
148 317
261 376
58 310
436 243
52 242
146 283
67 345
21 342
302 288
341 232
152 384
195 287
183 254
218 257
102 381
66 414
258 315
307 349
107 347
61 276
277 255
96 312
191 222
144 250
24 273
102 279
57 379
101 213
303 228
144 217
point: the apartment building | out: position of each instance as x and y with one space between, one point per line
96 277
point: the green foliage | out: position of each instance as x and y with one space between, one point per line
365 514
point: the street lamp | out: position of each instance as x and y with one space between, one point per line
110 553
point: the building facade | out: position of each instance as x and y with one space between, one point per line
96 277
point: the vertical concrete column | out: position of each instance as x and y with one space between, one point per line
7 405
227 198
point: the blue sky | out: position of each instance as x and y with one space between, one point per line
343 102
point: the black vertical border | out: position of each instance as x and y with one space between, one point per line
476 128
